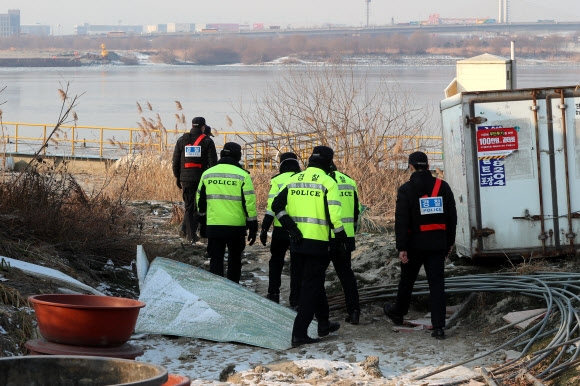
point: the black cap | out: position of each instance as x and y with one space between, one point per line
323 153
198 121
208 131
418 158
233 150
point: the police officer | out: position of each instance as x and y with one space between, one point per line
425 223
194 153
308 207
289 165
341 259
227 208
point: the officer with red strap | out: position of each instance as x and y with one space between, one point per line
194 153
425 224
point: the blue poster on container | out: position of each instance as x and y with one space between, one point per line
492 171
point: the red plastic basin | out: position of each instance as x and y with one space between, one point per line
177 380
86 320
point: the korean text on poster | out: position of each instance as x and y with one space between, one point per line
496 140
492 172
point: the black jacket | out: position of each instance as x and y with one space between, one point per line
208 156
408 218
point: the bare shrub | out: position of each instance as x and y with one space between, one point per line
45 204
371 127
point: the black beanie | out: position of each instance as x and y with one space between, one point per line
289 162
288 155
232 150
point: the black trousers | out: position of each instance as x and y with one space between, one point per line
313 299
278 248
434 262
190 217
216 249
342 265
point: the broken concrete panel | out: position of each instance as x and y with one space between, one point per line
525 318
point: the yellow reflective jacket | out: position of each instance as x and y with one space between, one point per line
276 183
229 196
348 196
312 200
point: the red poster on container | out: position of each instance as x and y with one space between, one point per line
496 139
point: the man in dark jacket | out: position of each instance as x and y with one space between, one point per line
194 153
425 224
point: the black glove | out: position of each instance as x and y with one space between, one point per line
203 226
341 242
263 236
292 229
295 235
178 183
253 230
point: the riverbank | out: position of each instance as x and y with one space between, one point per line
68 58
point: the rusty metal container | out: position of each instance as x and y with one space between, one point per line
79 370
512 158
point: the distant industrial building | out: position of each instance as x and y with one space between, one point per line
180 27
35 30
156 28
224 27
10 23
89 29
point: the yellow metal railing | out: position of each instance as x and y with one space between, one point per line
260 149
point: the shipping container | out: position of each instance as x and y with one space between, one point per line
512 158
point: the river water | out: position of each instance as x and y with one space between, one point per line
109 94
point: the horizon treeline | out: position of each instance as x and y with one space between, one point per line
230 49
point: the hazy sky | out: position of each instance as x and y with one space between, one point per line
298 13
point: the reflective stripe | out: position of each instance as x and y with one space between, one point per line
272 195
345 187
270 213
310 220
223 197
252 218
224 175
339 229
433 227
281 214
332 202
280 185
306 185
347 219
246 192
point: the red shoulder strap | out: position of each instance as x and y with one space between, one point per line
435 191
199 139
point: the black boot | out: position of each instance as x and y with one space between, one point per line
328 327
353 317
274 297
296 341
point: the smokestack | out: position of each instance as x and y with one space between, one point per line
513 65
